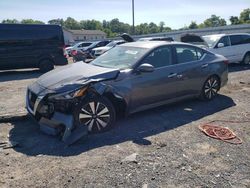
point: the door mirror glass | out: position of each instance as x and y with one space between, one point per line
146 68
220 45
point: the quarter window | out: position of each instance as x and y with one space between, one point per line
187 54
160 57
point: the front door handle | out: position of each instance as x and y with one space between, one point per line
171 75
204 65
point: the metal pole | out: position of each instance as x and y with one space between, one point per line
133 15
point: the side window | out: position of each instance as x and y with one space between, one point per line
225 41
160 57
236 39
187 54
245 39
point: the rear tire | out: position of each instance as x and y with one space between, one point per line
210 88
246 60
46 65
98 114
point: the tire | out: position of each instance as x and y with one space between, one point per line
46 65
97 113
246 60
210 88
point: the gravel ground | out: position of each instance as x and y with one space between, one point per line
162 147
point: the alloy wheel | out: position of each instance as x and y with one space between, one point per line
95 115
211 87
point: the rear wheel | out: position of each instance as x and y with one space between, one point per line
246 59
210 88
98 114
46 65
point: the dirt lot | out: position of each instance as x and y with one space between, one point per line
157 148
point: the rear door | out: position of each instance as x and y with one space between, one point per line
191 70
240 45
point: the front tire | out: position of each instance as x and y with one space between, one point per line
46 65
98 114
246 60
210 88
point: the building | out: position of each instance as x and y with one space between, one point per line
73 36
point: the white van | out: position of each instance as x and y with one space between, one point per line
235 47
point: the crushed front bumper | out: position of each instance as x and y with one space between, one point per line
51 121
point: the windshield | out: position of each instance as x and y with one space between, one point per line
120 57
85 44
111 44
211 39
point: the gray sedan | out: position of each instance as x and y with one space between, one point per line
129 78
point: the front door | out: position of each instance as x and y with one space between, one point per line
153 87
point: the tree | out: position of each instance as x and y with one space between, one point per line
234 20
153 28
71 23
57 21
10 21
31 21
193 25
161 26
214 21
245 16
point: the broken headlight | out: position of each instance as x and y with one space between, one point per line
69 95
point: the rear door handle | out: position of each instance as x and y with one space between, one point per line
171 75
204 65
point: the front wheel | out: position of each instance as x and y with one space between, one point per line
98 114
210 88
246 59
46 65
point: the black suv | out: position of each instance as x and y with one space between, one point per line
31 46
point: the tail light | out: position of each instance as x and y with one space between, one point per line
74 52
226 62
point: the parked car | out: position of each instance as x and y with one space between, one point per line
78 46
128 78
101 50
31 46
235 47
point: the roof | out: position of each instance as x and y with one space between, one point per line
87 32
221 35
149 44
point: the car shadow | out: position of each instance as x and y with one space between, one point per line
135 128
10 75
236 67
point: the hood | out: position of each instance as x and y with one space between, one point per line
75 75
193 39
102 48
69 48
127 37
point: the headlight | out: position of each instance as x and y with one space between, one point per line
69 95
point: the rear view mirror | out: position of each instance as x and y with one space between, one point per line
145 67
220 45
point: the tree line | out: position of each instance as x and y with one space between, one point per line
115 27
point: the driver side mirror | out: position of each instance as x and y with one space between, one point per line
145 67
220 45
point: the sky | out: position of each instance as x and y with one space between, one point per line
175 14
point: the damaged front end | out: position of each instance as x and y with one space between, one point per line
55 111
